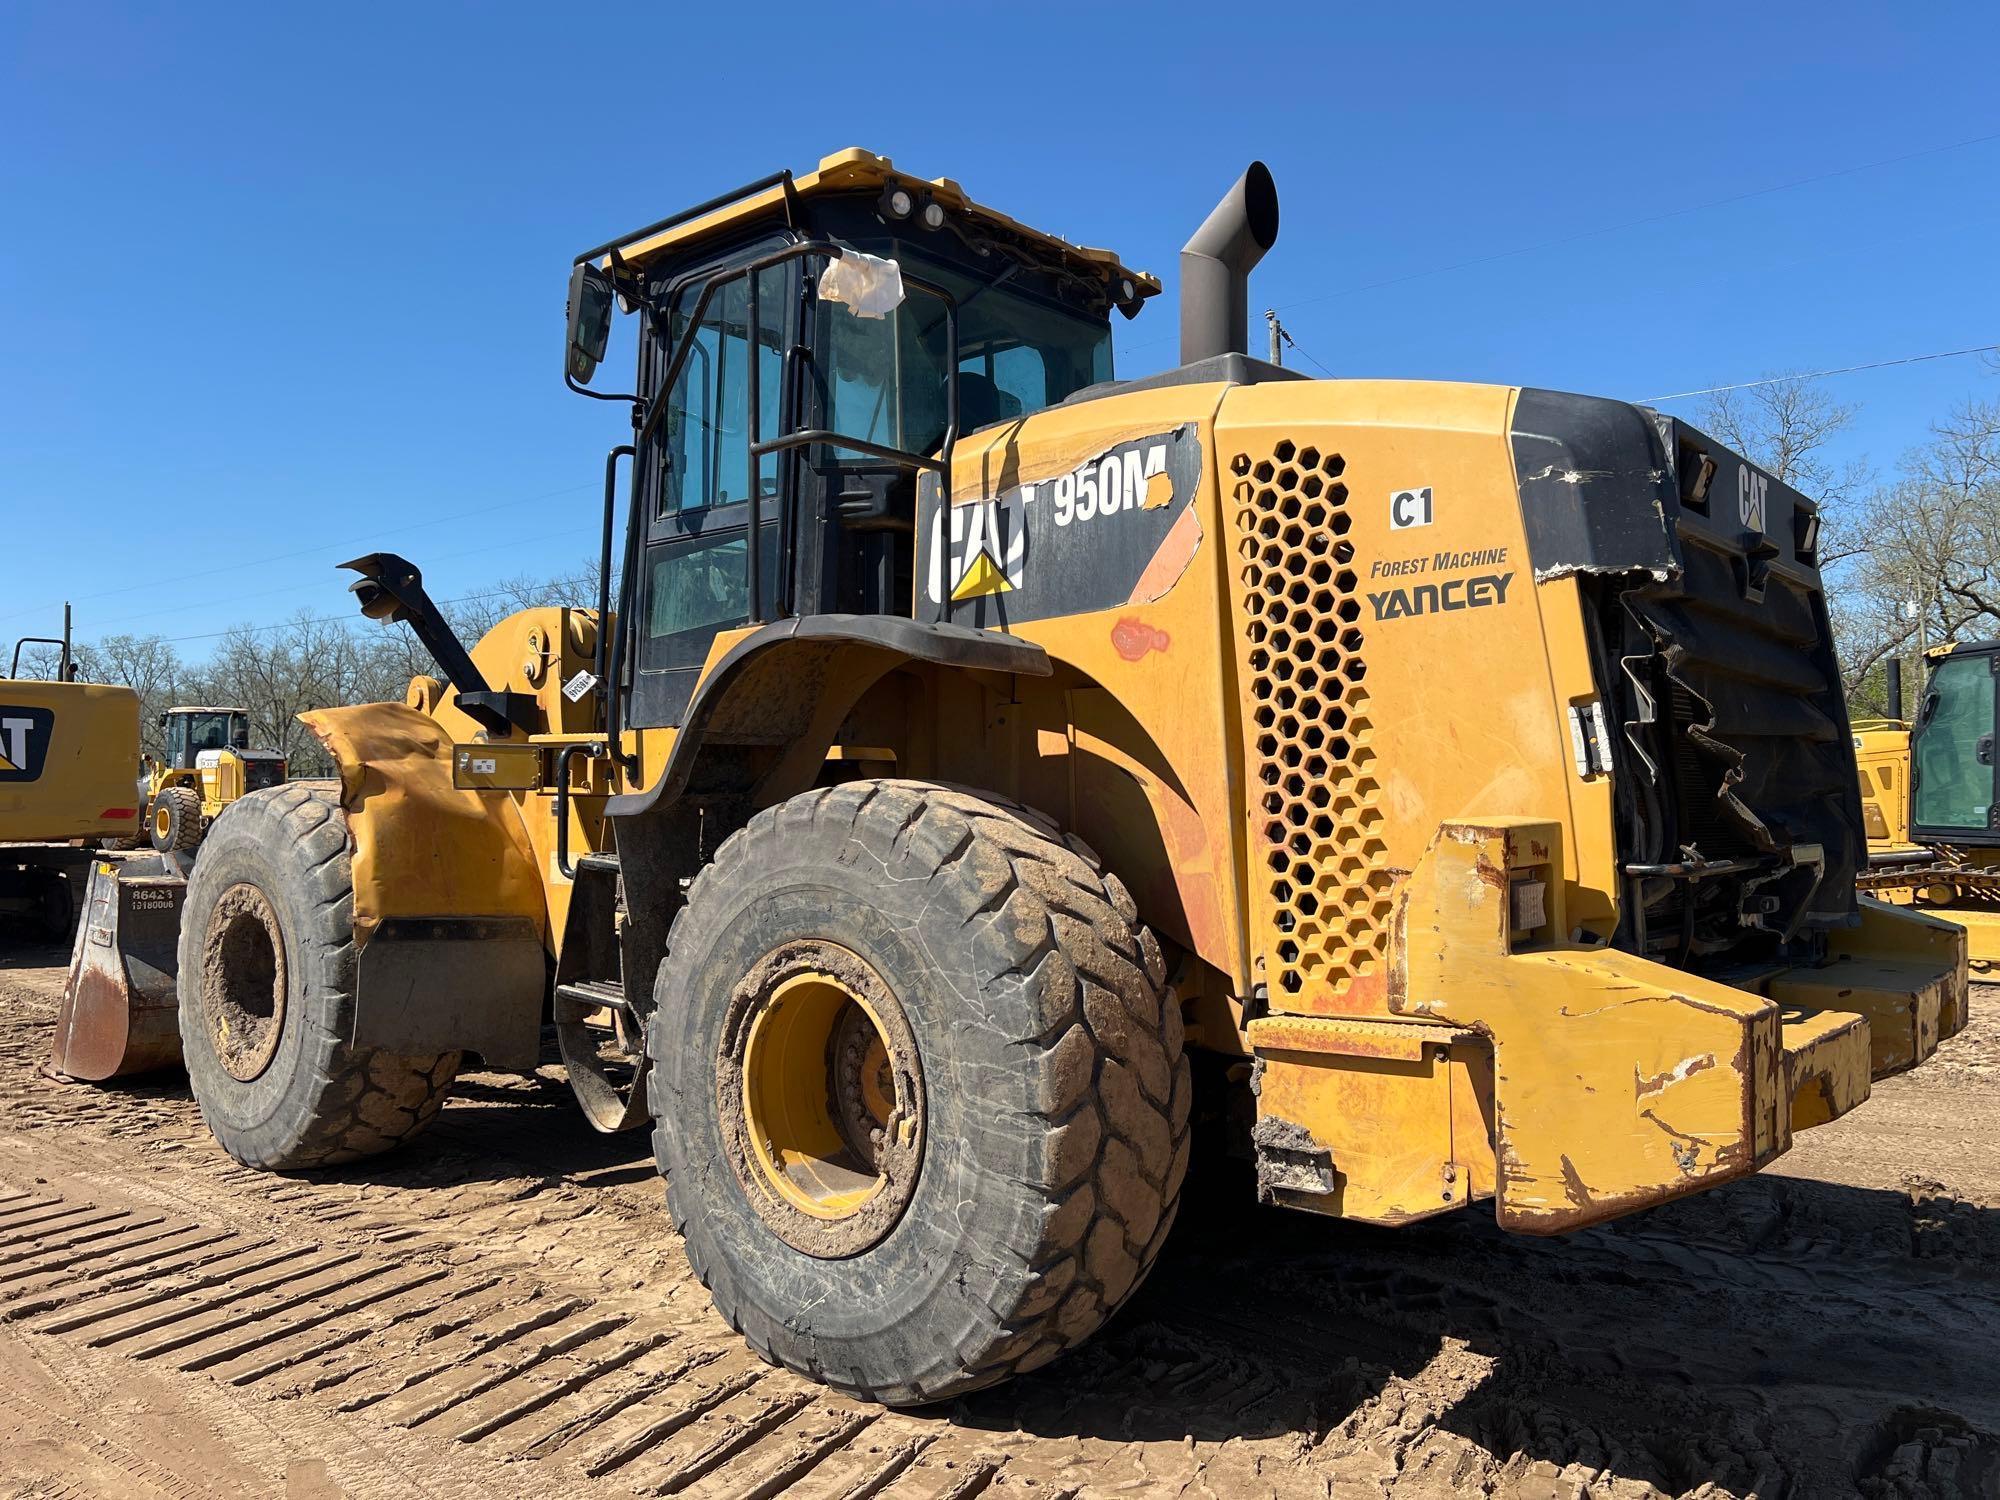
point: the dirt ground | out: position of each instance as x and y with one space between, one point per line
503 1309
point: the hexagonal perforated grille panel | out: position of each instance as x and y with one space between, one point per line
1316 841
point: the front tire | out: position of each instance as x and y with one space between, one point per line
267 995
174 822
991 1158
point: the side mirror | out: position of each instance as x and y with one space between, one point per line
589 321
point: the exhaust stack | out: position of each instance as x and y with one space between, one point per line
1216 265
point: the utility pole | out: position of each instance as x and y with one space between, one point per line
1278 337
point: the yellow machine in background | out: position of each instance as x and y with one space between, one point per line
120 1012
208 764
984 756
1929 797
67 753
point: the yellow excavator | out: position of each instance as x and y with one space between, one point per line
984 757
67 749
1928 796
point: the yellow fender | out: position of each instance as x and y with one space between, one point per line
451 922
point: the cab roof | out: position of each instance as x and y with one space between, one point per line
849 171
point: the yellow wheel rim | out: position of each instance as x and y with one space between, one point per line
821 1096
817 1121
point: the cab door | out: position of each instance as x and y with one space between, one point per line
178 756
1952 761
695 484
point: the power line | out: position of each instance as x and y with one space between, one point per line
1711 390
1880 364
430 559
316 548
212 635
1639 223
1302 349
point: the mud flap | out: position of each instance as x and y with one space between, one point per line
120 1015
426 985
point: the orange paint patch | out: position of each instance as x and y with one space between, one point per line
1170 560
1132 638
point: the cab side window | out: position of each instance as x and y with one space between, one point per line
706 457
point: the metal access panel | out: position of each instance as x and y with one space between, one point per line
496 768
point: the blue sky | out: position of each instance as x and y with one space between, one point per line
282 284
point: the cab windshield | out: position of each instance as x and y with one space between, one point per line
1017 355
209 731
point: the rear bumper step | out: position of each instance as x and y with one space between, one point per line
1619 1083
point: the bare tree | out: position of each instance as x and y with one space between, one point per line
277 673
1932 568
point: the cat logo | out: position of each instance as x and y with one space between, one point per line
987 552
24 741
1752 497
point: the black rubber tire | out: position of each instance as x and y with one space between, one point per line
320 1101
185 824
55 906
1055 1083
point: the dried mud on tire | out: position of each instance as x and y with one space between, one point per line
1829 1332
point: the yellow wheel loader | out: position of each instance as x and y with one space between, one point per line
67 749
1928 795
983 755
208 764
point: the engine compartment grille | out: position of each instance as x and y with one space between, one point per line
1321 890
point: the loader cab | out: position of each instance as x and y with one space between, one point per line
808 351
1954 795
190 731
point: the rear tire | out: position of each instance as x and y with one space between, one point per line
267 995
1035 1072
174 822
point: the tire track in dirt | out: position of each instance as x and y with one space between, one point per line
501 1365
1781 1336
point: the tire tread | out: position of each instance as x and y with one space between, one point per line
1115 1141
359 1101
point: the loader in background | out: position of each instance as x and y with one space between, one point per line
982 752
207 764
67 753
1929 800
120 1011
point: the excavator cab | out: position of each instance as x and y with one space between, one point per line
1952 784
1929 796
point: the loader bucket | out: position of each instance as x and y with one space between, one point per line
120 1015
